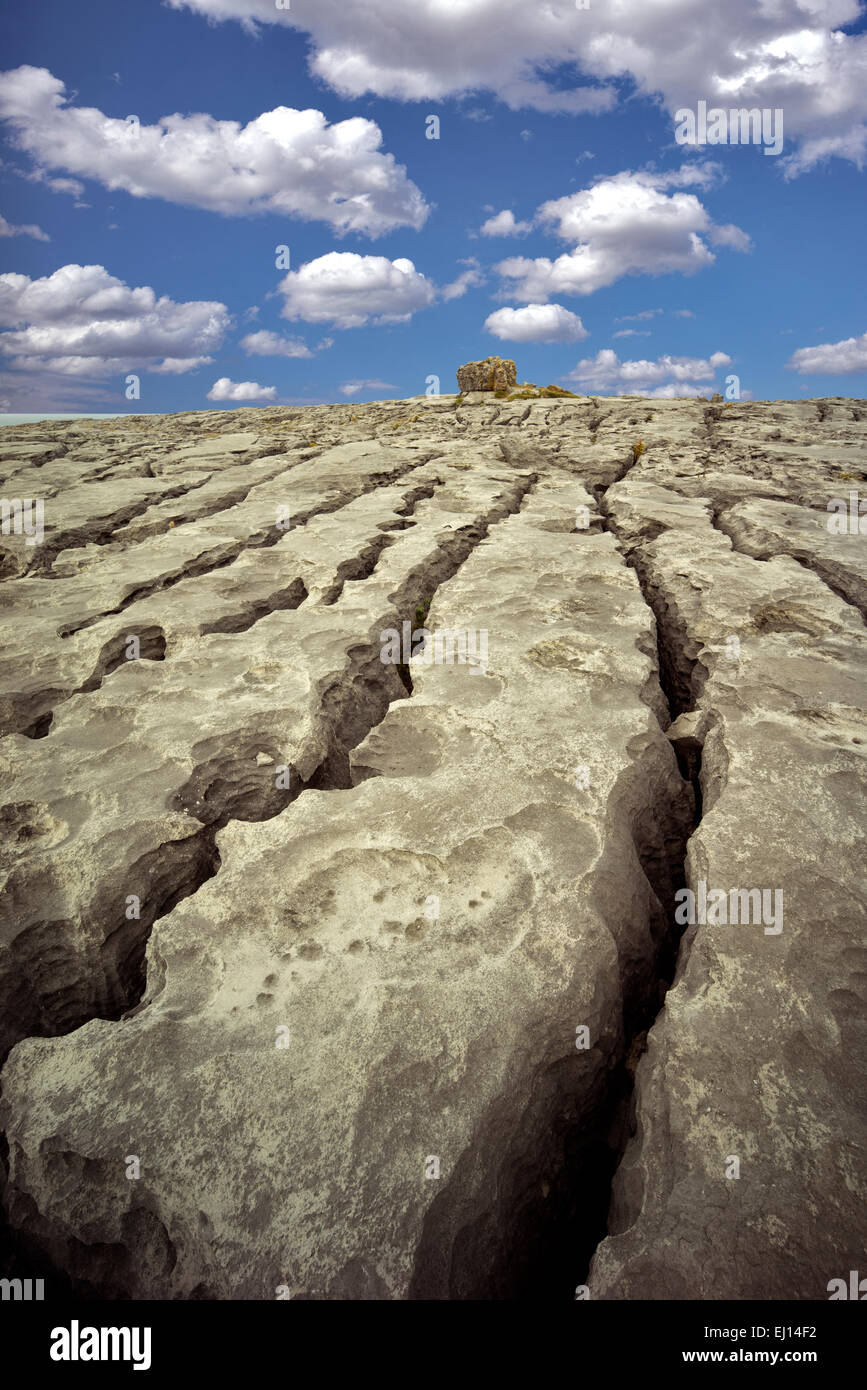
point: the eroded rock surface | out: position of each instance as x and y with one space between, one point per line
358 959
493 374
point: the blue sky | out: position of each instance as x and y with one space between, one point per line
630 262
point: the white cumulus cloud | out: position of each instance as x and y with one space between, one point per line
82 321
673 390
732 236
849 355
536 323
792 54
285 161
29 229
469 279
350 290
226 390
268 344
504 224
606 372
627 224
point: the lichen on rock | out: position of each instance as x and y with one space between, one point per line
494 374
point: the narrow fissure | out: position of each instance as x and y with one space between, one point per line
812 564
82 535
562 1221
380 684
152 640
680 676
362 566
681 688
40 727
206 563
115 653
283 600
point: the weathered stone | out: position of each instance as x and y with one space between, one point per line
494 374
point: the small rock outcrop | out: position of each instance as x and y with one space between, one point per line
494 374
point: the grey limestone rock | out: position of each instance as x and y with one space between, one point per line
413 814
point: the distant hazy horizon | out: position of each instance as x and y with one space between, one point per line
34 417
